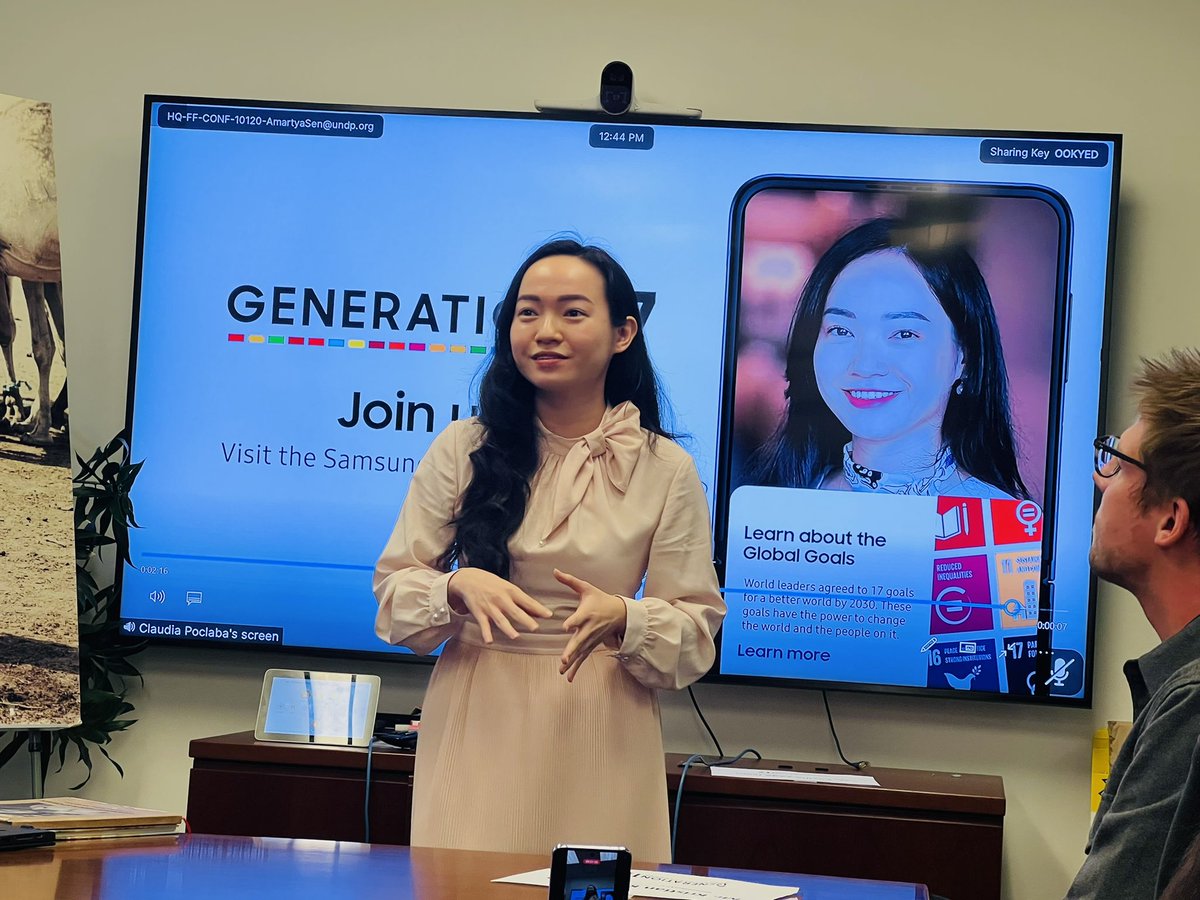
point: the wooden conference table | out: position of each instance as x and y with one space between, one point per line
941 829
203 867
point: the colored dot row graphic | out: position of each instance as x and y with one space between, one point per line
353 343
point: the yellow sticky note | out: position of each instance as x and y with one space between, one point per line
1100 765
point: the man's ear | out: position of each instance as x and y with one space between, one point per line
1174 523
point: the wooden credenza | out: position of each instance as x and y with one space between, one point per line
241 786
936 828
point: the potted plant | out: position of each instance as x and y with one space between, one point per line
103 517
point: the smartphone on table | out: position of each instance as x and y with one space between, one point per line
590 873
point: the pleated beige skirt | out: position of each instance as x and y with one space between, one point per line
513 758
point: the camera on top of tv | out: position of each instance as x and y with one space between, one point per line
616 88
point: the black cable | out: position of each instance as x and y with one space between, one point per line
687 764
720 752
367 795
862 763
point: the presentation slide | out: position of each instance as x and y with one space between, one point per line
316 294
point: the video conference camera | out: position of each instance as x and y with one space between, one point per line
617 98
616 88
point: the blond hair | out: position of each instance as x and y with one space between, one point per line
1168 392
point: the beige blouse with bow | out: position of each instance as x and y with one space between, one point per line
511 757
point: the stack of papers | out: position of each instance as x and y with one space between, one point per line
803 777
71 818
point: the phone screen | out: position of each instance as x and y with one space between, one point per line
590 873
868 320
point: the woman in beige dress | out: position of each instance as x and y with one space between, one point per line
525 535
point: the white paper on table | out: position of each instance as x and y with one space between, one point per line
538 878
779 775
643 883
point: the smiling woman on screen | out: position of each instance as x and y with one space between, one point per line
525 533
896 377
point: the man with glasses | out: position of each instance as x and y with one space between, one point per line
1146 539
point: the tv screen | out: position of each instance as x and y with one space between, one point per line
315 290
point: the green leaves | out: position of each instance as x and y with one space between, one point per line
103 510
103 517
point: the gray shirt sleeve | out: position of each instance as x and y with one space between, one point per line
1186 825
1131 854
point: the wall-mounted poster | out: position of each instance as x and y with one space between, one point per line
39 636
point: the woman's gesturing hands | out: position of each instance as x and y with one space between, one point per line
497 603
494 601
600 619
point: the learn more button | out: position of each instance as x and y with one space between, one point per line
1093 154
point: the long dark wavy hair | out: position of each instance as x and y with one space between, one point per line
976 427
493 504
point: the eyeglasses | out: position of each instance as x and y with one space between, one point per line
1109 458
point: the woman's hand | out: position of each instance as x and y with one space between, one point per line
600 619
493 601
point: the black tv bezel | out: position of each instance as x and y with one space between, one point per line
599 117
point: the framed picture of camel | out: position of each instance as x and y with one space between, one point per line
39 641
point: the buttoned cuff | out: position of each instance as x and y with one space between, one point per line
440 612
635 630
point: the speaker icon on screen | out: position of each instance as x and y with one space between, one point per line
158 596
130 627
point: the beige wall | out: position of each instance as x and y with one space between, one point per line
1086 66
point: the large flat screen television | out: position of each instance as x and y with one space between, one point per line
314 293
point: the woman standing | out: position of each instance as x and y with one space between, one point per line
525 534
